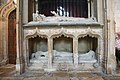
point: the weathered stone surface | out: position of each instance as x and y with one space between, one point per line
30 78
117 15
69 29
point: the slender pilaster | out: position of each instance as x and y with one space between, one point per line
19 60
5 41
18 56
92 9
3 49
50 49
36 4
27 53
111 60
75 51
25 49
88 8
100 11
100 52
1 54
25 11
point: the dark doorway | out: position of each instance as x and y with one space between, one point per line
12 37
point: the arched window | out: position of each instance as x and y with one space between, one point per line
68 8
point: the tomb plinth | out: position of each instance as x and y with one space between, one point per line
70 44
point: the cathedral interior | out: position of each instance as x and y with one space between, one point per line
70 39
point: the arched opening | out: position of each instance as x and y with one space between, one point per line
87 49
37 44
38 53
12 37
87 43
63 52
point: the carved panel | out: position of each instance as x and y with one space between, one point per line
72 32
79 32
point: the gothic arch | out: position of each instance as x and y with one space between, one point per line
5 10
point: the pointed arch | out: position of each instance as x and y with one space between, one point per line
5 10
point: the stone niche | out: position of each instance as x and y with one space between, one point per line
38 55
63 52
37 44
88 54
87 43
61 43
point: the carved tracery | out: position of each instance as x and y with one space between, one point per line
31 33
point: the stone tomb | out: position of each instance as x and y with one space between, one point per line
63 43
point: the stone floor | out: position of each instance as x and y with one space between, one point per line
8 73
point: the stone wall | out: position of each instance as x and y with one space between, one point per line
117 15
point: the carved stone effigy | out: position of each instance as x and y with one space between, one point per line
39 57
39 60
62 57
59 57
57 18
38 17
87 57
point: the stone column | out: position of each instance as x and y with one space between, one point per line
92 9
18 56
89 9
5 42
3 53
75 51
25 50
25 11
111 59
36 5
100 51
19 60
100 10
50 52
27 53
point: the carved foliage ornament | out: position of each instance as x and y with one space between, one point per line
91 32
47 33
31 33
